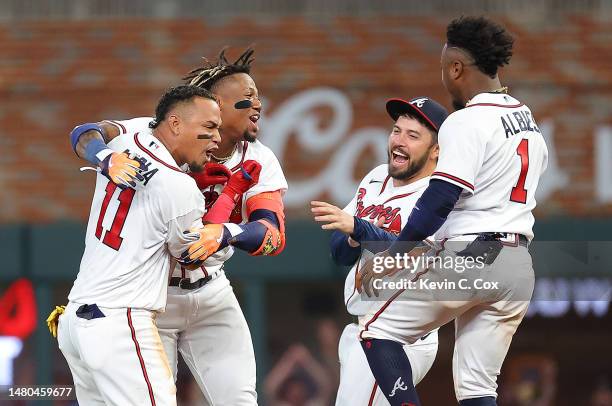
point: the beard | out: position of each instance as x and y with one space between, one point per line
194 167
413 167
248 137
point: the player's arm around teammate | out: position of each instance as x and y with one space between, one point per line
107 333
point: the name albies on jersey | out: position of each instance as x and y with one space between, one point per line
494 150
377 199
131 233
271 179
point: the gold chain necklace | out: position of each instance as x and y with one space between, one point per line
223 159
503 89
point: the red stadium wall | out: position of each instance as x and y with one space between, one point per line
54 75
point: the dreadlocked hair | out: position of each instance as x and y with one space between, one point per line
210 73
486 41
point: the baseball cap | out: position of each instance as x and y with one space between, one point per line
429 109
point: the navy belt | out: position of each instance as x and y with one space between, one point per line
89 312
185 283
522 240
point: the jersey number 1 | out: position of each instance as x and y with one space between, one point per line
519 193
112 237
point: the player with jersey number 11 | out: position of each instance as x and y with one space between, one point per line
108 332
478 206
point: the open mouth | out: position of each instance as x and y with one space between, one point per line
399 158
254 118
210 151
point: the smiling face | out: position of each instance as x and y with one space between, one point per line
198 131
413 151
238 124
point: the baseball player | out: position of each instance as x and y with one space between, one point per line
478 204
203 318
107 332
385 196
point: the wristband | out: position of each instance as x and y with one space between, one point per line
96 151
79 130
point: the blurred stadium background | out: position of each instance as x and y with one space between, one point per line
325 69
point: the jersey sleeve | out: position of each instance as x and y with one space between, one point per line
179 237
271 177
132 125
179 197
462 151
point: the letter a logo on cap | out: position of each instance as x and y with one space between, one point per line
419 102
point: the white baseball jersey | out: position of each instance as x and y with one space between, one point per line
377 198
131 233
271 179
494 150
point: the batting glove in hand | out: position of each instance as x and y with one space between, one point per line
212 174
122 169
208 242
242 180
53 319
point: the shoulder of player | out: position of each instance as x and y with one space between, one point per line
377 175
154 165
462 121
128 125
259 152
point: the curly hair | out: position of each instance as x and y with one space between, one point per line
174 96
486 41
210 73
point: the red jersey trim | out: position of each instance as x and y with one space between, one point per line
456 179
121 126
373 393
397 197
245 146
380 311
140 359
382 189
507 106
153 156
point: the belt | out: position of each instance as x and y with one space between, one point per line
522 240
185 283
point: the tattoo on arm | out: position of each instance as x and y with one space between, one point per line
109 130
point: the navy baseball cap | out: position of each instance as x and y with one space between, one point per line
429 109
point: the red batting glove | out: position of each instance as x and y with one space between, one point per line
212 174
240 183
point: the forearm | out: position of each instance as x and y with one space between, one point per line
341 251
91 138
428 215
253 234
365 231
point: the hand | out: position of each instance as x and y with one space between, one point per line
336 218
53 319
209 241
365 276
243 180
212 174
122 169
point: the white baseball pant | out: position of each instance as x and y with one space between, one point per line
357 384
208 328
117 359
485 320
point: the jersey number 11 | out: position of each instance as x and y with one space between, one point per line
112 237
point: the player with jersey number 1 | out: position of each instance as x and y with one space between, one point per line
107 332
479 206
